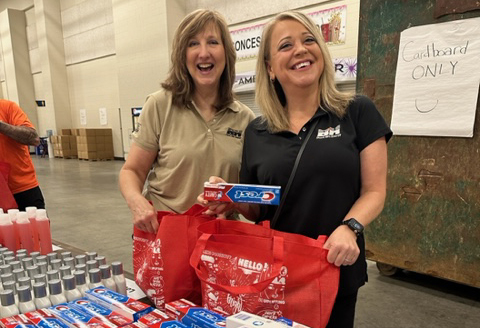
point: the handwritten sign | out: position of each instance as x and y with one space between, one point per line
437 79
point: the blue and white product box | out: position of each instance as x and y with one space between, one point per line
77 318
242 193
172 324
290 323
203 318
91 307
244 319
126 306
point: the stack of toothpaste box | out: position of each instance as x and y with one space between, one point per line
104 308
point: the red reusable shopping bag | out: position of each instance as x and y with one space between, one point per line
246 267
161 261
6 197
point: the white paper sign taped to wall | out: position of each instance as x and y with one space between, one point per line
437 79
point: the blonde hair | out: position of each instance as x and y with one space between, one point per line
270 96
179 81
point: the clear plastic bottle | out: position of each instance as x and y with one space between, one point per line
42 267
25 303
101 260
107 280
91 255
119 277
81 281
7 231
70 288
64 271
81 259
27 262
95 278
41 298
53 275
44 234
55 264
12 285
43 279
56 294
32 217
8 307
25 231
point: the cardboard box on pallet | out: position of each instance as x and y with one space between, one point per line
95 144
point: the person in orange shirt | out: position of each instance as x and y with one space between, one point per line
16 134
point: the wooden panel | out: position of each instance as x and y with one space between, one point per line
431 220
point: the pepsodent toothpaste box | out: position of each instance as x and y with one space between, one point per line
126 306
77 318
45 319
203 318
173 324
16 321
242 193
105 313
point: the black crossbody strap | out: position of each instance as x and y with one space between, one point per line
292 175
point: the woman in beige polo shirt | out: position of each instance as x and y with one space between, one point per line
190 129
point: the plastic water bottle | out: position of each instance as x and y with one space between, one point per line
44 234
25 231
95 278
107 280
119 277
11 285
25 303
8 308
56 294
70 288
81 259
42 300
32 217
81 281
7 231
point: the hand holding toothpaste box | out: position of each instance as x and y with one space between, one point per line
242 193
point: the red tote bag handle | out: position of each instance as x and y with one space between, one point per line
278 257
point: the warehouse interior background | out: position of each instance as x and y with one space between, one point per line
73 64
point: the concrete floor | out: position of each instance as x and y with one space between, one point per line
88 212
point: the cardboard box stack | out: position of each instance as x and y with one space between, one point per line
95 144
65 144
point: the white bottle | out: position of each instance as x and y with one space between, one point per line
56 294
107 280
12 285
95 278
81 281
70 288
8 307
119 277
25 303
41 298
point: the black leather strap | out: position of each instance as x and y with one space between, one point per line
292 175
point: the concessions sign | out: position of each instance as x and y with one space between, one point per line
332 23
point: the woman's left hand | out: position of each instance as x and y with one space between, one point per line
342 246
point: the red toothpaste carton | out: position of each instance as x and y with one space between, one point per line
242 193
16 321
45 319
126 306
86 305
155 318
177 309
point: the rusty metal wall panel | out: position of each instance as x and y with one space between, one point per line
431 220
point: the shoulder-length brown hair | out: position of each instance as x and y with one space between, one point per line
179 81
270 96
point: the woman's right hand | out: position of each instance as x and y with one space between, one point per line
144 215
220 209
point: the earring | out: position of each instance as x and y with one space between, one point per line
272 80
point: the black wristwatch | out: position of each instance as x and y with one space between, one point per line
354 225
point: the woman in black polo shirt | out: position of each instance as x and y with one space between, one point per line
340 183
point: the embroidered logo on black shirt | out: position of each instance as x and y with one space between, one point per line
234 133
329 133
